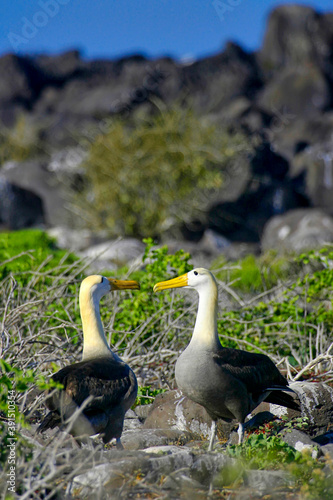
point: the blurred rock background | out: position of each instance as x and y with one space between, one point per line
271 111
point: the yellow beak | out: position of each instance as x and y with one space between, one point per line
174 283
123 284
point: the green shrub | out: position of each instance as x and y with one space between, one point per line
18 143
286 324
150 175
256 274
147 311
13 383
265 449
25 252
261 451
146 395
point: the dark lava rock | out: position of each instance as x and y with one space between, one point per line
214 81
19 208
296 91
314 166
296 35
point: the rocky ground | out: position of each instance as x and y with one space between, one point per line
165 453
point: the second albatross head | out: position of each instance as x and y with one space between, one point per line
198 279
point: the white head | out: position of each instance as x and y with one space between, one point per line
205 330
198 279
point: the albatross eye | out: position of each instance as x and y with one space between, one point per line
196 273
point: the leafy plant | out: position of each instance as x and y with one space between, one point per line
265 449
148 312
256 274
146 395
19 143
261 451
299 312
13 382
152 174
26 251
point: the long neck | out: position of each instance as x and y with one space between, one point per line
205 329
94 341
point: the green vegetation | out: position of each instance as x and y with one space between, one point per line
256 274
14 382
291 320
25 252
146 395
41 332
153 174
18 143
260 451
264 450
151 313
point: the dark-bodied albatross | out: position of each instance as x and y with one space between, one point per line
228 383
102 381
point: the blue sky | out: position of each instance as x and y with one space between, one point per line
113 28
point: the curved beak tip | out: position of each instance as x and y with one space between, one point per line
178 282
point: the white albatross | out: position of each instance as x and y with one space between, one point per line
101 381
228 383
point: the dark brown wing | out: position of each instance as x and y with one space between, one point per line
110 383
256 371
106 380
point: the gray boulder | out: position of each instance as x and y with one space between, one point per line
315 166
173 410
298 230
52 180
300 441
143 438
327 450
265 481
291 134
316 402
33 176
118 253
75 240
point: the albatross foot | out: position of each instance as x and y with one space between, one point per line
240 433
119 445
212 435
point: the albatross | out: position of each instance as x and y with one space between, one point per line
228 383
101 383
